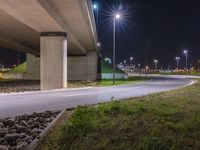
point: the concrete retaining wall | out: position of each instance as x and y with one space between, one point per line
12 76
33 67
80 68
83 68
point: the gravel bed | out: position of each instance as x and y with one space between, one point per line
18 132
8 86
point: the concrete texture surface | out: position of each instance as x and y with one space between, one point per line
32 68
53 62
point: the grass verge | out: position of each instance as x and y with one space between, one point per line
164 121
107 68
109 82
19 69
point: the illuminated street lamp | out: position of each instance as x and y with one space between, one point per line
115 18
186 58
96 7
139 66
98 44
131 58
155 63
124 62
177 62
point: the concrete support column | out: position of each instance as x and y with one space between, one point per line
53 55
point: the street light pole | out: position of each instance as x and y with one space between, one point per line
156 64
131 58
186 57
116 16
96 7
114 50
177 62
139 66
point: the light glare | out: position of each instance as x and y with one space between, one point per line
185 51
117 16
155 61
95 6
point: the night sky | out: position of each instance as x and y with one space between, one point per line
168 25
8 58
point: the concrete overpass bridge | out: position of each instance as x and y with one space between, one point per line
59 37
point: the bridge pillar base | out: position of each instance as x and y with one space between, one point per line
53 54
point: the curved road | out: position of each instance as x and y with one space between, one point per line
21 103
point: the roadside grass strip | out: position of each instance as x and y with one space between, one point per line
164 121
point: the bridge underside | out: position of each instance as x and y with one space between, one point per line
59 34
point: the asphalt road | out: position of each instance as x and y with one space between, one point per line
21 103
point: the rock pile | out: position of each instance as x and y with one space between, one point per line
17 133
19 86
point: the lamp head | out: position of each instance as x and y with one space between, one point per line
95 6
117 16
185 51
155 61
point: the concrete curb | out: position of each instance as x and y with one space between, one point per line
33 145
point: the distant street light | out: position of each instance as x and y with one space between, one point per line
155 63
139 66
131 58
96 7
186 57
115 17
177 62
98 44
168 68
124 62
